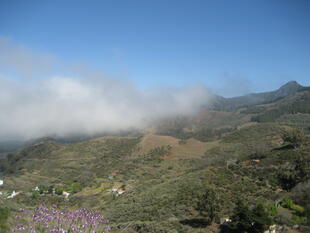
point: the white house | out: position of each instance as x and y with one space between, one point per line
272 229
1 182
120 191
115 188
66 194
14 194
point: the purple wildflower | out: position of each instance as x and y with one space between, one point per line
56 220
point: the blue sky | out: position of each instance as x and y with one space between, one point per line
232 46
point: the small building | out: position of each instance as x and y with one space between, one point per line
271 229
14 194
1 182
255 161
120 191
115 188
66 194
225 221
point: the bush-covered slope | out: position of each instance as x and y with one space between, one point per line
160 181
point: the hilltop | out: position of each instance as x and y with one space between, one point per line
231 104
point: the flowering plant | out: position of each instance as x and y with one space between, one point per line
60 220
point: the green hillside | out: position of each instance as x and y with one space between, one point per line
184 175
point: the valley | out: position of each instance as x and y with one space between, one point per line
253 149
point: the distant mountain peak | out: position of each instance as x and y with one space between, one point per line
290 84
289 88
231 104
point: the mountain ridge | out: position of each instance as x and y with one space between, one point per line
231 104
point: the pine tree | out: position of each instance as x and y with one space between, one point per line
242 218
245 220
209 205
261 219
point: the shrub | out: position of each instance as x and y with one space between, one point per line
4 214
75 187
43 188
249 220
272 210
34 194
298 219
160 150
59 190
286 203
295 137
209 205
307 213
289 204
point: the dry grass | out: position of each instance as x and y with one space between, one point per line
190 149
24 182
151 141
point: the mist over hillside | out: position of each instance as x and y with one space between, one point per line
86 103
67 107
155 116
180 166
83 103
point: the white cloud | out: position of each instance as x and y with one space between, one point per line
64 106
